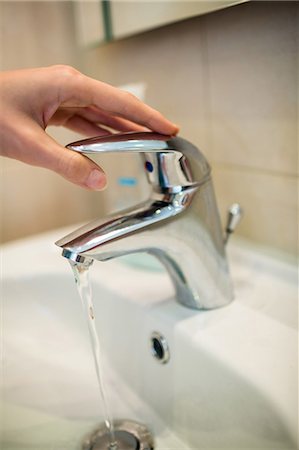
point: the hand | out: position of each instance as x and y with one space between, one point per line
32 99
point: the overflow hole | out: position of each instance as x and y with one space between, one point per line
159 347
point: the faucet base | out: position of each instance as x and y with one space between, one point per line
129 436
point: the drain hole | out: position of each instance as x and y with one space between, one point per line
129 435
124 441
159 347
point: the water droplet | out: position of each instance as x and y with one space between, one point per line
91 314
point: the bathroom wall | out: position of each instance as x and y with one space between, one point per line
229 78
33 34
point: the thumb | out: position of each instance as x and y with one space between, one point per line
79 169
70 164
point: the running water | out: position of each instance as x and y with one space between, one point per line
81 273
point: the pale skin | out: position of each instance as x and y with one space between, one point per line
32 99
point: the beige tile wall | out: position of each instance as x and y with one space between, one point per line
230 79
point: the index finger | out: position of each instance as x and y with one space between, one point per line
83 91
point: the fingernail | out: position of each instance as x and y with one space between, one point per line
176 128
96 180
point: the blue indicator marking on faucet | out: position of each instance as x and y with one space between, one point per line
127 181
148 166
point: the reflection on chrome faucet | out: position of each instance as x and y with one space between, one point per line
179 223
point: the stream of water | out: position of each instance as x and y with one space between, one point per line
81 273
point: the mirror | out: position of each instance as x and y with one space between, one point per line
107 20
132 17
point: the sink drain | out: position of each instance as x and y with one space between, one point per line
128 435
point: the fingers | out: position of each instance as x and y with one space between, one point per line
129 107
81 90
93 115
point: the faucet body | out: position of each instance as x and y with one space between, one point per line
179 223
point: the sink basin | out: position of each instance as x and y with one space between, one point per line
230 382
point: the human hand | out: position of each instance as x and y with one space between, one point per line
32 99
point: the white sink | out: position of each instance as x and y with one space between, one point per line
230 383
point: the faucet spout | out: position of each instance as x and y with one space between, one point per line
178 224
91 240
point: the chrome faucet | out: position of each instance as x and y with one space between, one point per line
179 223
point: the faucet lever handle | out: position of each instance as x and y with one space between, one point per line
134 142
167 160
